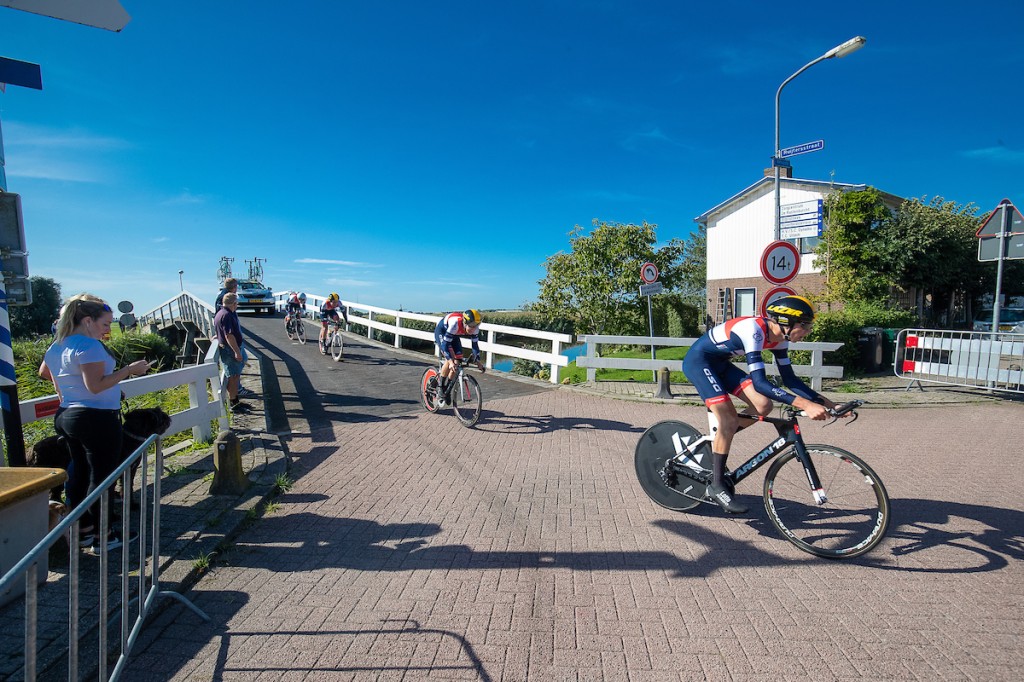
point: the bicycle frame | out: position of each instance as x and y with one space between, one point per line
460 375
789 434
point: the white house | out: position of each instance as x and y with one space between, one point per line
741 227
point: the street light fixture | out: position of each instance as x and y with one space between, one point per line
180 282
851 45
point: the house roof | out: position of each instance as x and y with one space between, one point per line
823 184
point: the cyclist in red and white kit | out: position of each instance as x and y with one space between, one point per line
709 367
447 337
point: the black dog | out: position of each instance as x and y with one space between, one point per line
139 425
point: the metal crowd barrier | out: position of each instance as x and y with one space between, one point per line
28 567
972 359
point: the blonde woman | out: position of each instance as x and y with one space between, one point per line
85 376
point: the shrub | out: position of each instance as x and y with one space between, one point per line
844 327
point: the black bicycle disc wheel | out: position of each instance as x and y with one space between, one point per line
428 389
656 447
851 521
289 330
467 401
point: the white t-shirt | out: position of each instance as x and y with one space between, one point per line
65 364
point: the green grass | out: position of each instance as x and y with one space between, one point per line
577 375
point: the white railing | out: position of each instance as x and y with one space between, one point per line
972 359
360 314
816 371
204 399
185 306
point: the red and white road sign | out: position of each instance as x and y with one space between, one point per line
649 273
772 295
780 262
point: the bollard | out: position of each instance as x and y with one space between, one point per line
664 390
228 477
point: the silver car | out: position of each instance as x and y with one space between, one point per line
1011 320
252 295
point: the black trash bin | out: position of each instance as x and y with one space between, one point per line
871 348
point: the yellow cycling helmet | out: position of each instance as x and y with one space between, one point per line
472 318
334 297
790 310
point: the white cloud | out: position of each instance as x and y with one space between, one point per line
184 198
999 153
349 263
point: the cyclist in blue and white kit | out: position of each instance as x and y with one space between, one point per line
709 367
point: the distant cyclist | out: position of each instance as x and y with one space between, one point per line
331 310
294 304
448 337
709 367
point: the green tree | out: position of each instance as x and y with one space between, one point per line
932 247
848 252
27 321
596 284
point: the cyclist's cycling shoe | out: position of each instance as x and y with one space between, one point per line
721 496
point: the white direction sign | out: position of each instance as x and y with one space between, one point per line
651 289
804 148
803 219
106 14
780 262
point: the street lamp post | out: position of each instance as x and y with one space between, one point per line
851 45
180 282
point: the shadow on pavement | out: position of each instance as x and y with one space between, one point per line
316 542
505 423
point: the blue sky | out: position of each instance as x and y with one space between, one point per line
432 155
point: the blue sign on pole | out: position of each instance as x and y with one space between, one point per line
804 148
25 74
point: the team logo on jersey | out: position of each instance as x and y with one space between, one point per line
758 336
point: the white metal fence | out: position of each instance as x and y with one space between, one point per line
972 359
369 317
816 371
148 566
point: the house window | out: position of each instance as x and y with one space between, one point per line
745 302
805 244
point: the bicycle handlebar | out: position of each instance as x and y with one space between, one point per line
835 413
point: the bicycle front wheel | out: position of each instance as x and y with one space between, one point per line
428 389
337 346
300 331
854 517
467 401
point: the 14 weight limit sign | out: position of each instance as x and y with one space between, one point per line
780 262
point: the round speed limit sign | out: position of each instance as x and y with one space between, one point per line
780 262
649 273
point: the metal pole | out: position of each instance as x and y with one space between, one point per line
13 436
1003 231
650 322
842 50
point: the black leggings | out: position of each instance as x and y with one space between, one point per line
94 439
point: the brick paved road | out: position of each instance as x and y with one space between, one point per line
411 548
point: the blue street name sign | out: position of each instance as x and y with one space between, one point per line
25 74
804 148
